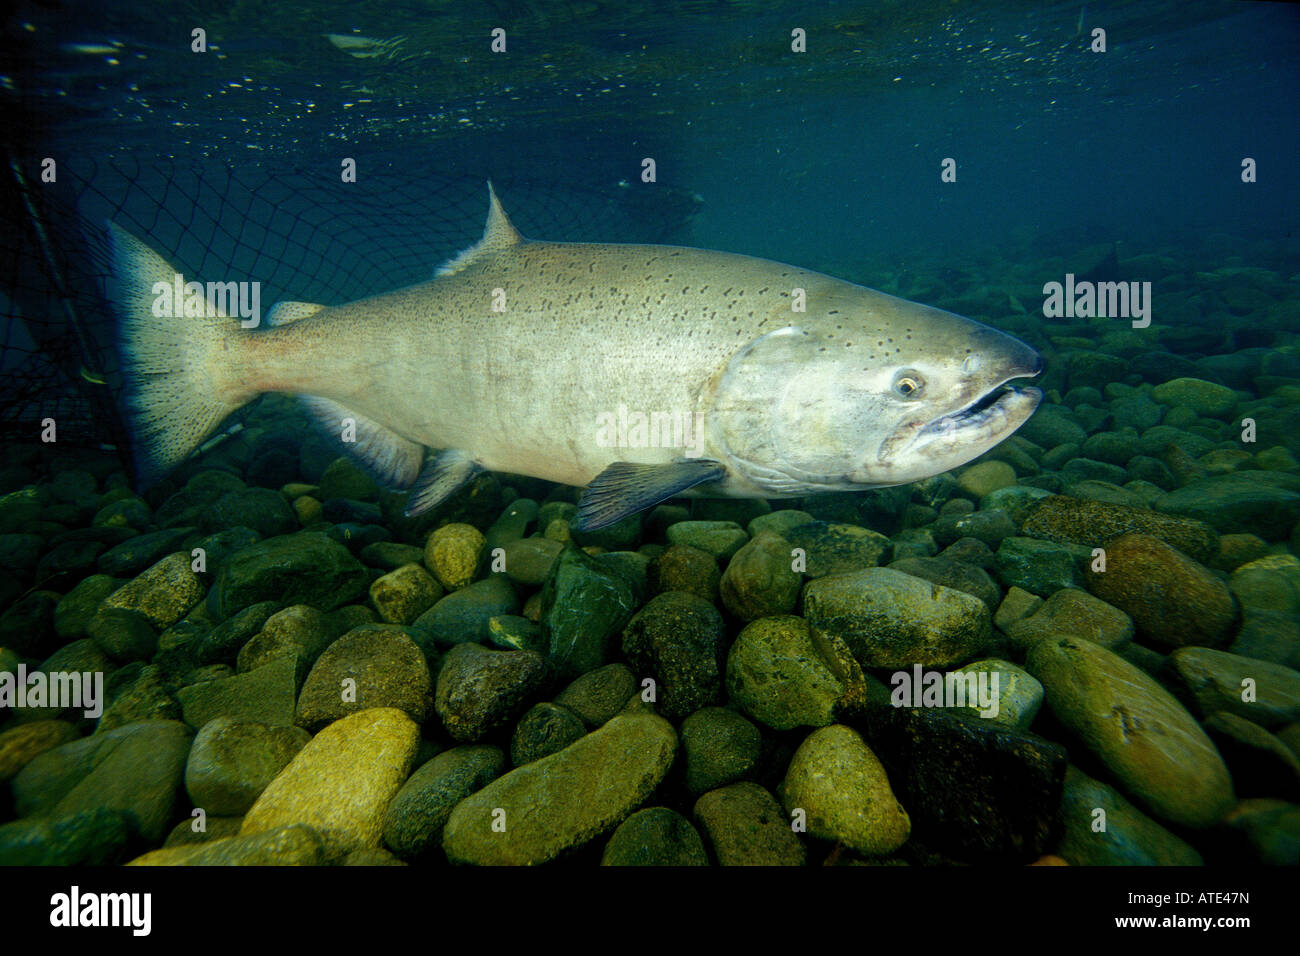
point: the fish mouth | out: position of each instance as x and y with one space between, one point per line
998 412
956 437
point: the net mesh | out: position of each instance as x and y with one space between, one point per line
302 234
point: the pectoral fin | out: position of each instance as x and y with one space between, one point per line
441 478
625 488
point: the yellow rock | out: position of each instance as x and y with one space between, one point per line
842 787
453 553
308 509
986 477
295 845
19 745
341 783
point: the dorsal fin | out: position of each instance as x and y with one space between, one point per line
498 235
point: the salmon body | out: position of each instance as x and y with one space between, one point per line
641 371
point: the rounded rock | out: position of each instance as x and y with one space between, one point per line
454 554
542 731
656 836
21 744
721 747
163 594
778 674
843 789
986 477
1260 691
1146 737
1202 397
684 568
600 694
402 595
834 548
414 820
232 762
891 619
342 781
479 689
375 665
551 806
746 827
678 639
1172 600
720 539
1073 612
529 560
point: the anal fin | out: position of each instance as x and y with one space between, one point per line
625 488
386 456
441 478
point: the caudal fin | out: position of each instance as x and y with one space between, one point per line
171 363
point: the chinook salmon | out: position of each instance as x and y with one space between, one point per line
642 372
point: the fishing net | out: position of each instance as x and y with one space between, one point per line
301 233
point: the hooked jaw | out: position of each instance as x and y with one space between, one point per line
984 422
920 449
993 415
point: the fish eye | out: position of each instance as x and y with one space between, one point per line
908 382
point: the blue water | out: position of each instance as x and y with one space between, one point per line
794 155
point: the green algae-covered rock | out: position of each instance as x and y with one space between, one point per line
1143 735
1202 397
891 619
302 568
782 674
759 580
746 827
454 553
561 802
678 639
1076 613
162 594
479 689
231 763
655 836
293 845
414 820
375 665
832 548
584 607
720 747
1093 523
136 769
720 539
341 783
841 786
545 729
1124 836
402 595
1265 503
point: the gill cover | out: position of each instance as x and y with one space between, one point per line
791 410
